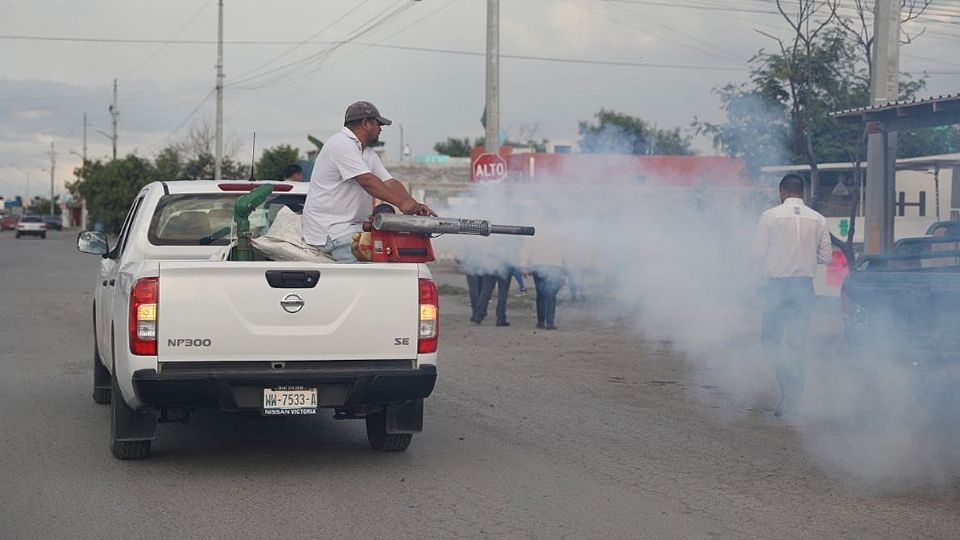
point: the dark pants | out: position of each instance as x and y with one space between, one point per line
473 287
518 275
549 281
787 306
487 284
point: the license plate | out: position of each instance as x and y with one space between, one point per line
289 400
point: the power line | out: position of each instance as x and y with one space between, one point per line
401 48
317 57
184 122
304 42
169 41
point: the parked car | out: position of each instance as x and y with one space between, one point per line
31 225
9 222
949 229
53 223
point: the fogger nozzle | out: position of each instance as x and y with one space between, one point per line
442 225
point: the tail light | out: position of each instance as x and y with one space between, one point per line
143 316
429 317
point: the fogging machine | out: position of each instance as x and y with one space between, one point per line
399 238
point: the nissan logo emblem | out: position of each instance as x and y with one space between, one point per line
291 303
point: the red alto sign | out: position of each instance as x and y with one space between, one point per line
489 167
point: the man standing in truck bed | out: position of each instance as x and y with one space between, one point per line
791 240
347 175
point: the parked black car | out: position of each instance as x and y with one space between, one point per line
53 222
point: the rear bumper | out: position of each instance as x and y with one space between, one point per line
235 390
35 232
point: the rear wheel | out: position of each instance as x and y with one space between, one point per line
43 236
381 440
102 384
17 235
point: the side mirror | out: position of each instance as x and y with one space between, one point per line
93 242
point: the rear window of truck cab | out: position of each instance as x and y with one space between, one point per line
191 219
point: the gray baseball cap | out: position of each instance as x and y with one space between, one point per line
361 110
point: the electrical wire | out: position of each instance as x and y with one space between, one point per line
167 42
184 122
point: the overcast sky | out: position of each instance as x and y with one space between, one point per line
421 63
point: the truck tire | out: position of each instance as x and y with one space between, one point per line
101 377
102 384
381 440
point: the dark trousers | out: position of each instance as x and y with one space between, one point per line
473 288
787 307
487 284
518 275
548 281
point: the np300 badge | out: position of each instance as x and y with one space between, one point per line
291 303
198 342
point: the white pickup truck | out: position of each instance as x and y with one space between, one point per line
175 330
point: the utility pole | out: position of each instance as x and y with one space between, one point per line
881 144
85 124
114 117
83 176
492 136
53 166
219 143
401 143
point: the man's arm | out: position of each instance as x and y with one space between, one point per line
392 192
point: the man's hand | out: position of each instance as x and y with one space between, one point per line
411 207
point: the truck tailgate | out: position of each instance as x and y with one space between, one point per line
228 311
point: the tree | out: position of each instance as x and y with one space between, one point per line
767 125
109 187
619 133
273 160
201 167
456 147
41 205
169 164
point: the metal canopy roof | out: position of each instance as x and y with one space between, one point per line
938 111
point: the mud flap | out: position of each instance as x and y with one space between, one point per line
127 424
405 418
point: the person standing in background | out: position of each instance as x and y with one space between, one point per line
790 241
544 260
293 173
517 274
498 277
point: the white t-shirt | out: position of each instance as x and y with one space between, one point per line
791 240
336 204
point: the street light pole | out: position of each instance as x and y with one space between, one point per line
492 136
217 172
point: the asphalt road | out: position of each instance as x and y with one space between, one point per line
586 432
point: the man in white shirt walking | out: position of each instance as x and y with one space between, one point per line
791 240
347 175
